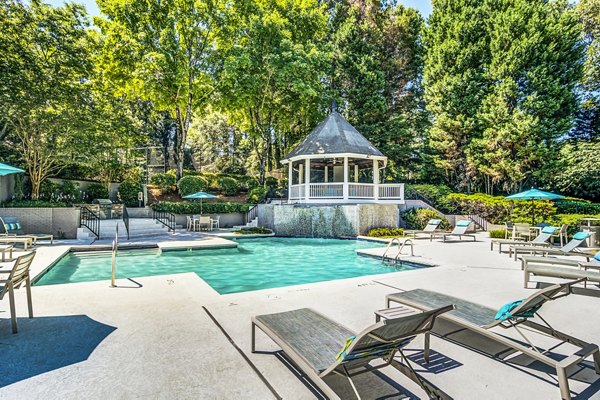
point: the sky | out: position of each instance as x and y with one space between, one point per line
424 6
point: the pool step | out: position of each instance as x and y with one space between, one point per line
138 227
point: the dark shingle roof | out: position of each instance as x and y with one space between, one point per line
334 135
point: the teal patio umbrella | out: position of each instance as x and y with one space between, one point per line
200 195
6 169
534 194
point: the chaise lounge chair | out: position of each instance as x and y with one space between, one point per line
566 268
482 319
568 249
460 230
12 227
13 278
429 230
321 347
540 240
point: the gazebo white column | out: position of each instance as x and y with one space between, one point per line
345 190
307 179
290 179
375 180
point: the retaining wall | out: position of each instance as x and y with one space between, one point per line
61 222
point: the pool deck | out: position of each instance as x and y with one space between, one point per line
167 337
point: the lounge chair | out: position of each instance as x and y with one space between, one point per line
566 268
12 227
569 249
26 241
540 240
12 279
567 262
562 234
429 230
460 230
321 347
482 320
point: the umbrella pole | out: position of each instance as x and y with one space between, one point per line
532 213
200 207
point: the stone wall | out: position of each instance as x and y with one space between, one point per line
7 187
326 221
61 222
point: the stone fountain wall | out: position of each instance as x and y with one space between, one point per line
327 221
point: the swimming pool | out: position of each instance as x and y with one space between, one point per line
256 264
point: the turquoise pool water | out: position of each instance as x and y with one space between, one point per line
256 264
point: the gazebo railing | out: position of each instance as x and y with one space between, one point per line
326 190
297 191
391 191
361 190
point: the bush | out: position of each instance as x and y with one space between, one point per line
271 183
257 195
49 190
573 220
191 184
434 194
69 191
33 204
128 193
386 232
96 191
260 230
417 218
228 186
569 206
164 181
498 233
189 207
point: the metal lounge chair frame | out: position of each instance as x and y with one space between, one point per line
18 275
540 240
18 233
460 230
480 319
429 230
568 249
311 341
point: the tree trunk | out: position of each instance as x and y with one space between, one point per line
180 138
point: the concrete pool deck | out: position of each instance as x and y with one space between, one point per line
173 336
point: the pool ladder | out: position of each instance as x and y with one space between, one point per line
115 247
401 245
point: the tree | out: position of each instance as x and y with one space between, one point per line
377 72
272 76
580 169
43 80
534 67
163 51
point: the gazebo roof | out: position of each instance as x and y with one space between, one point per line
334 136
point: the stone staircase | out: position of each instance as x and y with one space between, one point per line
138 228
251 224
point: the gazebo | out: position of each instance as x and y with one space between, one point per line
336 164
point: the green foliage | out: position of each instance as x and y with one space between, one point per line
577 207
49 190
70 190
417 218
34 204
436 195
191 184
386 232
189 207
164 181
96 191
257 195
228 186
497 233
128 193
579 173
259 230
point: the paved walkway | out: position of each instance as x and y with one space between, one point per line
175 337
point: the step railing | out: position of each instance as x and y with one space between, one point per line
478 220
166 218
90 220
251 214
126 220
400 245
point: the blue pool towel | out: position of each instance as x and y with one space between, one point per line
504 312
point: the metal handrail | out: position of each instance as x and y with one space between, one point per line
115 248
166 218
126 220
90 220
401 245
252 213
479 220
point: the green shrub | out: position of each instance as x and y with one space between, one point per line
386 232
191 184
257 195
260 230
434 194
69 191
96 191
164 181
49 190
417 218
498 233
569 206
188 207
573 220
33 204
228 186
128 193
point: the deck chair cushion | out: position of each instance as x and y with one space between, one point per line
597 256
549 229
463 223
12 226
581 236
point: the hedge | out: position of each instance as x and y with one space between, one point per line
33 204
164 181
386 232
191 184
128 193
194 207
417 218
577 207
